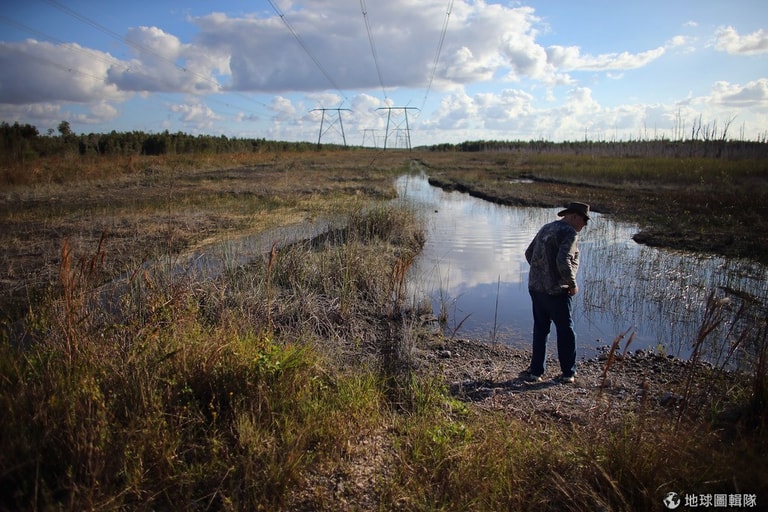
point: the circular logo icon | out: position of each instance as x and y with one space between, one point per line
672 500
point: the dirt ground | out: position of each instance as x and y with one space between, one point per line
488 377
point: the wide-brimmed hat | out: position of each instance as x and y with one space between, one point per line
580 208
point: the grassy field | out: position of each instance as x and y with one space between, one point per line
287 383
152 206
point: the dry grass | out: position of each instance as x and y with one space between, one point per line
214 393
167 206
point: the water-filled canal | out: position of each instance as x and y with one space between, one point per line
473 269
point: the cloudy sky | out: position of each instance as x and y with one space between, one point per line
459 69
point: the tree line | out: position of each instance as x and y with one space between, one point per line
21 142
700 148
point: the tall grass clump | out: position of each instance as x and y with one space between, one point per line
194 393
709 437
733 340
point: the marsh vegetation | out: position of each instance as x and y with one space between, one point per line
296 379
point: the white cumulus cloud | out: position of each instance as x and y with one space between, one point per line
571 59
727 39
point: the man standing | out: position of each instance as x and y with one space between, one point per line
554 258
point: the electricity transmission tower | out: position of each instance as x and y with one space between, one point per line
331 124
373 136
398 127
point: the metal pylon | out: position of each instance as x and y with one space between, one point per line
373 136
398 127
322 121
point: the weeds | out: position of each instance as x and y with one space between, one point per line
77 281
177 400
732 338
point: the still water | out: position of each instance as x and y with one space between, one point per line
473 269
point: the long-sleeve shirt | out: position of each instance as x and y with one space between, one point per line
554 258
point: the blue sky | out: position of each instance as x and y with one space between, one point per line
555 70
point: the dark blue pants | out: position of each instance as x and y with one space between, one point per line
549 309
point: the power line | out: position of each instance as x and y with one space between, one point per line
145 49
439 50
111 33
306 48
101 79
142 48
91 54
65 68
42 35
373 46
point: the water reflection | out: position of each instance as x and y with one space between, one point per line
473 269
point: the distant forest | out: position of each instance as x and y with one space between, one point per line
22 142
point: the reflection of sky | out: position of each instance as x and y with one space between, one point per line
473 264
471 242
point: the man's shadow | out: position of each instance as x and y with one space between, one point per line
480 389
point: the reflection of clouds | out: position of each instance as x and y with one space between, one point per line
473 262
474 255
471 242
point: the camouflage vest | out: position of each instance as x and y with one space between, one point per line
554 258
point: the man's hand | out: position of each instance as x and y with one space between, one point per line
573 290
